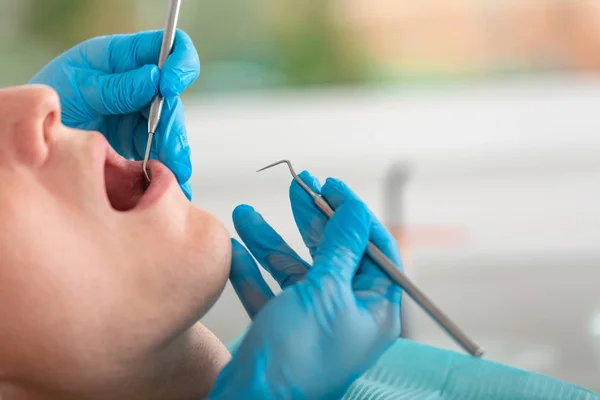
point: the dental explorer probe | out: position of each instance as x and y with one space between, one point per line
165 50
395 274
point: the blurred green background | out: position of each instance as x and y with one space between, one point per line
242 43
264 44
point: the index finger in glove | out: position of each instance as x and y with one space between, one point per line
170 144
247 281
268 247
370 281
182 67
310 220
132 51
344 242
337 193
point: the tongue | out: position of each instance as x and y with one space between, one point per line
124 184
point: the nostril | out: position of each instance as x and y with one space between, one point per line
50 122
47 105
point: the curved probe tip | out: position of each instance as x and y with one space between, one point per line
289 164
147 173
147 156
294 175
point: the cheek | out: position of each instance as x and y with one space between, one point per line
49 284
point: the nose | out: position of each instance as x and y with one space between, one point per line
29 117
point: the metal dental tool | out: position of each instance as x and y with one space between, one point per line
396 275
165 50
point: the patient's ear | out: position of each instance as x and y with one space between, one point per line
29 117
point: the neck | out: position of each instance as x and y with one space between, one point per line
192 370
185 369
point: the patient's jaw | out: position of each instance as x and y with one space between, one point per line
101 285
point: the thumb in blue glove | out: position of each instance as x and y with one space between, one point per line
331 321
107 83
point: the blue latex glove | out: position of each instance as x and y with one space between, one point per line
332 320
107 83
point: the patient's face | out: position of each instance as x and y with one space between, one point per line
100 282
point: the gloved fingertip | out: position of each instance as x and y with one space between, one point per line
242 210
334 182
336 192
248 222
182 67
353 216
185 44
312 182
239 256
304 175
173 83
180 33
237 248
241 260
239 252
187 190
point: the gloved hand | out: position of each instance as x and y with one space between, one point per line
107 83
332 320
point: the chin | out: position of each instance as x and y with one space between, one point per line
208 258
190 247
186 357
182 268
200 355
215 252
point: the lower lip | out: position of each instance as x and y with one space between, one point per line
161 179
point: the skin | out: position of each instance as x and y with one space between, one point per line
101 287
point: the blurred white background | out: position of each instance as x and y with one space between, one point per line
500 213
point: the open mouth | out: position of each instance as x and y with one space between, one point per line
126 184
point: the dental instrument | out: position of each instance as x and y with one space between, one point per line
394 273
165 50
